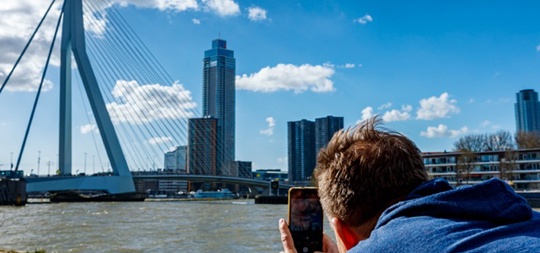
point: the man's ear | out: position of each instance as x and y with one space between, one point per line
346 234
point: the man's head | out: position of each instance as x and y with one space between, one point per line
365 169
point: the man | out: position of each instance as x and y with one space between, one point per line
373 188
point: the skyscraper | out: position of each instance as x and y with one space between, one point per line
301 150
527 110
305 139
219 67
325 129
176 159
202 148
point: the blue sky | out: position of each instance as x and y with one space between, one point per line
433 70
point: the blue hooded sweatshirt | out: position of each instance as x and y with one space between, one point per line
487 217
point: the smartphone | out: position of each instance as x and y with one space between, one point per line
305 219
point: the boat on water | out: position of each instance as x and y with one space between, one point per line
220 194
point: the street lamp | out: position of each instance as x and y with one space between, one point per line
38 161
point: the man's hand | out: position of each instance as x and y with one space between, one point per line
286 237
329 246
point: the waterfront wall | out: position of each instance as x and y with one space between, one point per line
13 192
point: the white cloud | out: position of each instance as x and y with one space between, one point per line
396 115
329 65
18 22
443 131
96 19
162 5
89 128
20 18
538 48
96 22
485 123
384 106
436 107
159 140
364 20
344 66
138 104
489 124
366 114
196 21
256 13
222 7
341 66
271 124
288 77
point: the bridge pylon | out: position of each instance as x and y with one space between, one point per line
73 43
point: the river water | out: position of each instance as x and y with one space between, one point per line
174 226
165 226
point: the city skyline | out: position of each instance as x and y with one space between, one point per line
433 71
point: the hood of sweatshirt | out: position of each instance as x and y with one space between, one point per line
492 200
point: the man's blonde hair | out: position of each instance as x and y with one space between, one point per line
365 169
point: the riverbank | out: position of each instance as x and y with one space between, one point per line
15 251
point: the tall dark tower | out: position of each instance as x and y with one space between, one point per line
325 129
301 150
527 109
219 68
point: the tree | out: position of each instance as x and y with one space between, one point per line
472 142
465 164
501 140
507 165
527 139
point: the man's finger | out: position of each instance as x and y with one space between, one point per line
329 246
286 237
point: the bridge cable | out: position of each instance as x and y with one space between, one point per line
140 70
108 73
138 40
129 143
26 46
88 118
115 55
147 55
149 72
139 61
39 90
218 146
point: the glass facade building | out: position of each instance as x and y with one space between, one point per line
202 148
301 150
305 140
325 129
527 110
219 69
176 160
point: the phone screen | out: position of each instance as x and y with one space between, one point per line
305 219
